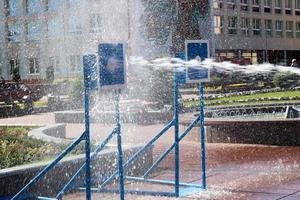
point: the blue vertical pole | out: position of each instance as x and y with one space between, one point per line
87 136
119 141
176 130
202 138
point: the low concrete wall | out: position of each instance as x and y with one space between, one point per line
13 179
285 132
75 116
51 133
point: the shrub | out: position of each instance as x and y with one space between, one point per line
76 92
285 79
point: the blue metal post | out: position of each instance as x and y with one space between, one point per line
202 138
87 128
176 130
119 141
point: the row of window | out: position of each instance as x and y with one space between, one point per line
280 6
73 61
54 27
13 7
256 26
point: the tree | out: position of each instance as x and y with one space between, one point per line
177 17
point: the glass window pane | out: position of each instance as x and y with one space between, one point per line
13 7
33 30
33 6
13 33
53 5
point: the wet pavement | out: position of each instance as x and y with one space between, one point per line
234 171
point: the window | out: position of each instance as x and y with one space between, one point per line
219 22
268 28
245 25
255 5
74 63
12 7
289 29
13 66
244 5
278 28
231 4
278 6
33 66
73 3
297 7
288 7
54 27
297 29
52 5
267 6
256 27
33 6
33 30
74 25
95 22
54 62
232 25
218 4
13 31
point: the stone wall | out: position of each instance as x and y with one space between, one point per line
284 132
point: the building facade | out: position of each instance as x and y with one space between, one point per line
36 35
257 30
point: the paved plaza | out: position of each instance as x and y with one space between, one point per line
234 171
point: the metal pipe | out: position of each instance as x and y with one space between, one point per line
202 137
119 142
187 130
162 131
97 150
49 166
176 131
159 160
163 182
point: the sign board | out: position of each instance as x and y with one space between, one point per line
199 50
90 71
112 65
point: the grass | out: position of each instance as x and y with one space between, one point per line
252 98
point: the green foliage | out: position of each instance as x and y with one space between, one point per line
76 92
285 79
17 148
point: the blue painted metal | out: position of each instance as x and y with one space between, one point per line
47 198
155 164
140 192
176 130
162 182
134 157
187 130
48 167
202 137
87 131
119 142
96 151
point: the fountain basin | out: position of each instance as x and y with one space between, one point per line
283 132
13 179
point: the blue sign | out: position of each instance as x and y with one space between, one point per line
90 71
199 50
112 65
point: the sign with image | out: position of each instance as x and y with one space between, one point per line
112 65
198 50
